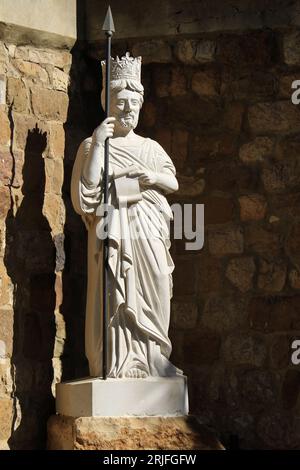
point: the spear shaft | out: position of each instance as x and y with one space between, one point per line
108 27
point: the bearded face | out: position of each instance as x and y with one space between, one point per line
125 107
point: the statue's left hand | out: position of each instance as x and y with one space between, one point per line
145 177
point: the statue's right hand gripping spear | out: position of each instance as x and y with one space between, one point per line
109 28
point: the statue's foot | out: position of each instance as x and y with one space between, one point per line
135 373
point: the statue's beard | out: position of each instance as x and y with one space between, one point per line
128 121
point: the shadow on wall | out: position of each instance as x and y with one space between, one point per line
30 263
84 114
74 363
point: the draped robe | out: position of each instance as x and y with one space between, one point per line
140 268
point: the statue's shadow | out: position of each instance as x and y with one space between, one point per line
30 263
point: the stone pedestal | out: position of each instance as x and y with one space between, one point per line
126 414
153 396
114 433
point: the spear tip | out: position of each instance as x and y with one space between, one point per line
108 24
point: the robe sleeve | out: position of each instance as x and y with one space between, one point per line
85 198
164 163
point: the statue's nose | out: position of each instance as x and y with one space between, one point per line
127 106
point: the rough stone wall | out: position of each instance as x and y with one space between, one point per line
220 104
33 109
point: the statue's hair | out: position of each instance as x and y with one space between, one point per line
124 84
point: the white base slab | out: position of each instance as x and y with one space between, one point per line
153 396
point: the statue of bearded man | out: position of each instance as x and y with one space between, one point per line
140 267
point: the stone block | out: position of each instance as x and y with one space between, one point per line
294 278
232 118
245 349
280 352
256 150
4 128
261 240
257 386
285 85
49 104
58 58
240 272
6 166
3 52
223 313
287 205
162 80
254 48
226 241
184 315
185 51
22 125
292 245
178 82
291 48
153 51
209 274
278 176
60 80
6 291
6 334
7 409
219 144
2 89
5 202
56 140
17 95
205 50
272 275
153 396
119 433
31 70
290 389
54 175
274 117
189 186
274 313
54 211
229 177
6 380
205 83
278 430
252 207
255 85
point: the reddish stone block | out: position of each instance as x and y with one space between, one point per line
252 207
49 104
262 240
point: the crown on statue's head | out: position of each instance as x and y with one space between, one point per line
126 68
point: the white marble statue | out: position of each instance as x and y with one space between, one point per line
140 268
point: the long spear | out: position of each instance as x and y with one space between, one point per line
109 28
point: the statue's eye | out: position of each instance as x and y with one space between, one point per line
120 101
135 102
